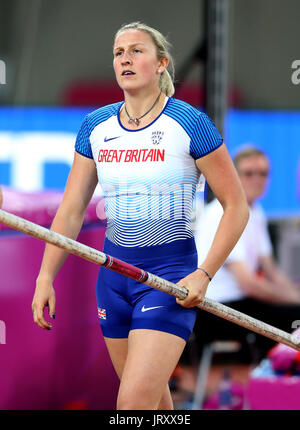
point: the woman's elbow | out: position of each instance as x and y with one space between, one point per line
239 211
245 213
242 207
238 207
242 214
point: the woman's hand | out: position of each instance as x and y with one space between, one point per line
44 296
197 283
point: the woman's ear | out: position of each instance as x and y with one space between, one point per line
163 65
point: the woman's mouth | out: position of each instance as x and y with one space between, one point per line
127 73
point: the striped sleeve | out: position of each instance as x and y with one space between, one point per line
205 137
83 145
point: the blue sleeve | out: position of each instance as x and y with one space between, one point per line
205 137
83 145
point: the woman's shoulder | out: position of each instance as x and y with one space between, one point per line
183 112
183 107
104 112
97 116
188 116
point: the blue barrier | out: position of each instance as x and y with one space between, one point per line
278 135
37 145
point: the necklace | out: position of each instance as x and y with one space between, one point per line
137 120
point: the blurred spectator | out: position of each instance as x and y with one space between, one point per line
250 280
1 198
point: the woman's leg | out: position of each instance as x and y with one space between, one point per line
117 349
151 358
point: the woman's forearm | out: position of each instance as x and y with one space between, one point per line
68 225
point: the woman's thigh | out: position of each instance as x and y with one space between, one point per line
117 349
151 358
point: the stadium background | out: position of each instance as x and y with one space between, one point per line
58 58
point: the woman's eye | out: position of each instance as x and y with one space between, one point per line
137 50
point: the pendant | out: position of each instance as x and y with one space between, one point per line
135 120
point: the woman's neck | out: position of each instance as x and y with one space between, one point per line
138 104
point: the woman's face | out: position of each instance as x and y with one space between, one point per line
135 61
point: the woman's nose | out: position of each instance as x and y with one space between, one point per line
126 59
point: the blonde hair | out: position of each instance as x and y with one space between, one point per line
166 80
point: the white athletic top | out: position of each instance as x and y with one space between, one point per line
253 244
148 176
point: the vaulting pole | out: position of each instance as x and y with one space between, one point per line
95 256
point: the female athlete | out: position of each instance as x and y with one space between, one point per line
147 152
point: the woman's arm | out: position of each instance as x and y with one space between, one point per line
223 180
68 221
220 174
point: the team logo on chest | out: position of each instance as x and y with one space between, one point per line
157 137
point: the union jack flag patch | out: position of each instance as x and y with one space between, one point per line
102 313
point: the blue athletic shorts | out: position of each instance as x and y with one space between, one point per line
125 304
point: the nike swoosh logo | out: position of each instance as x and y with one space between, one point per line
107 139
149 309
